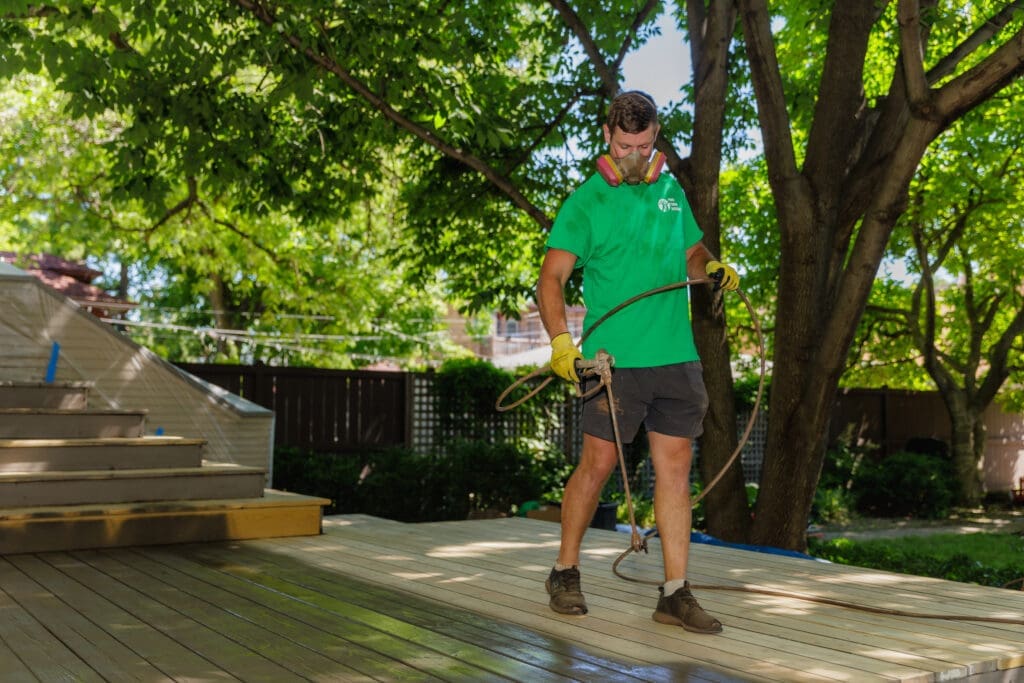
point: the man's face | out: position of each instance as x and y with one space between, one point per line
631 152
622 144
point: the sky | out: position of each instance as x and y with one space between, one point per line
661 66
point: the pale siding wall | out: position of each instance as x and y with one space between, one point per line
126 375
1004 449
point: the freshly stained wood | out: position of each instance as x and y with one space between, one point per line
372 599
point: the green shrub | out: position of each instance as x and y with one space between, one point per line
466 391
745 387
327 475
832 506
399 484
905 484
643 510
834 502
475 476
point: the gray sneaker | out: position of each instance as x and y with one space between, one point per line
564 589
681 609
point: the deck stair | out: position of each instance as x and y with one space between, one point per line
69 423
68 395
75 476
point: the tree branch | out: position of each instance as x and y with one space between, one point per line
504 184
981 36
184 205
912 54
977 84
609 74
771 99
33 12
235 229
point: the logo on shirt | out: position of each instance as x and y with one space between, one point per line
666 204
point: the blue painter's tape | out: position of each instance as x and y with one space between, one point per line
51 369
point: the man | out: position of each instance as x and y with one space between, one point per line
631 229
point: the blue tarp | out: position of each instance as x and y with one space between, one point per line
700 537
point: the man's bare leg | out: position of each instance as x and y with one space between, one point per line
672 457
582 494
579 501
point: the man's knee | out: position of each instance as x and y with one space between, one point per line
598 458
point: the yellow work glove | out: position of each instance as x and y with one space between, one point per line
564 355
726 276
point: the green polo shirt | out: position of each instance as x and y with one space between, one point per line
630 239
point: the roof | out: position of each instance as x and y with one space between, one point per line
70 278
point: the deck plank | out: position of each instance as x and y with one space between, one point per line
39 651
372 599
278 659
327 626
281 573
14 669
906 649
110 659
626 627
156 633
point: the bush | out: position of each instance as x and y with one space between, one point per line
905 484
476 476
833 501
406 486
326 475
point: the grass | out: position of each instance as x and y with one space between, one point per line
990 549
987 559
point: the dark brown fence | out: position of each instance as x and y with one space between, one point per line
328 410
350 410
346 410
890 418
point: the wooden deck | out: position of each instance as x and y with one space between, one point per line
464 601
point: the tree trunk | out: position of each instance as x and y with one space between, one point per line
725 507
711 28
221 317
967 451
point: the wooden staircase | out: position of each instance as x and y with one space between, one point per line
74 477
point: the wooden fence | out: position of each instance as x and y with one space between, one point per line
324 410
345 410
351 410
890 418
342 410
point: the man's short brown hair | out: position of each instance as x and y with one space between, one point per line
632 111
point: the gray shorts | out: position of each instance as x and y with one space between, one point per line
669 400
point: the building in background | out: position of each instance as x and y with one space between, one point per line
511 343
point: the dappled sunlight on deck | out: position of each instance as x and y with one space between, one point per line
485 548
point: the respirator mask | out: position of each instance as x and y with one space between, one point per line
632 169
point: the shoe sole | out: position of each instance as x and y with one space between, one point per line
671 620
572 612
